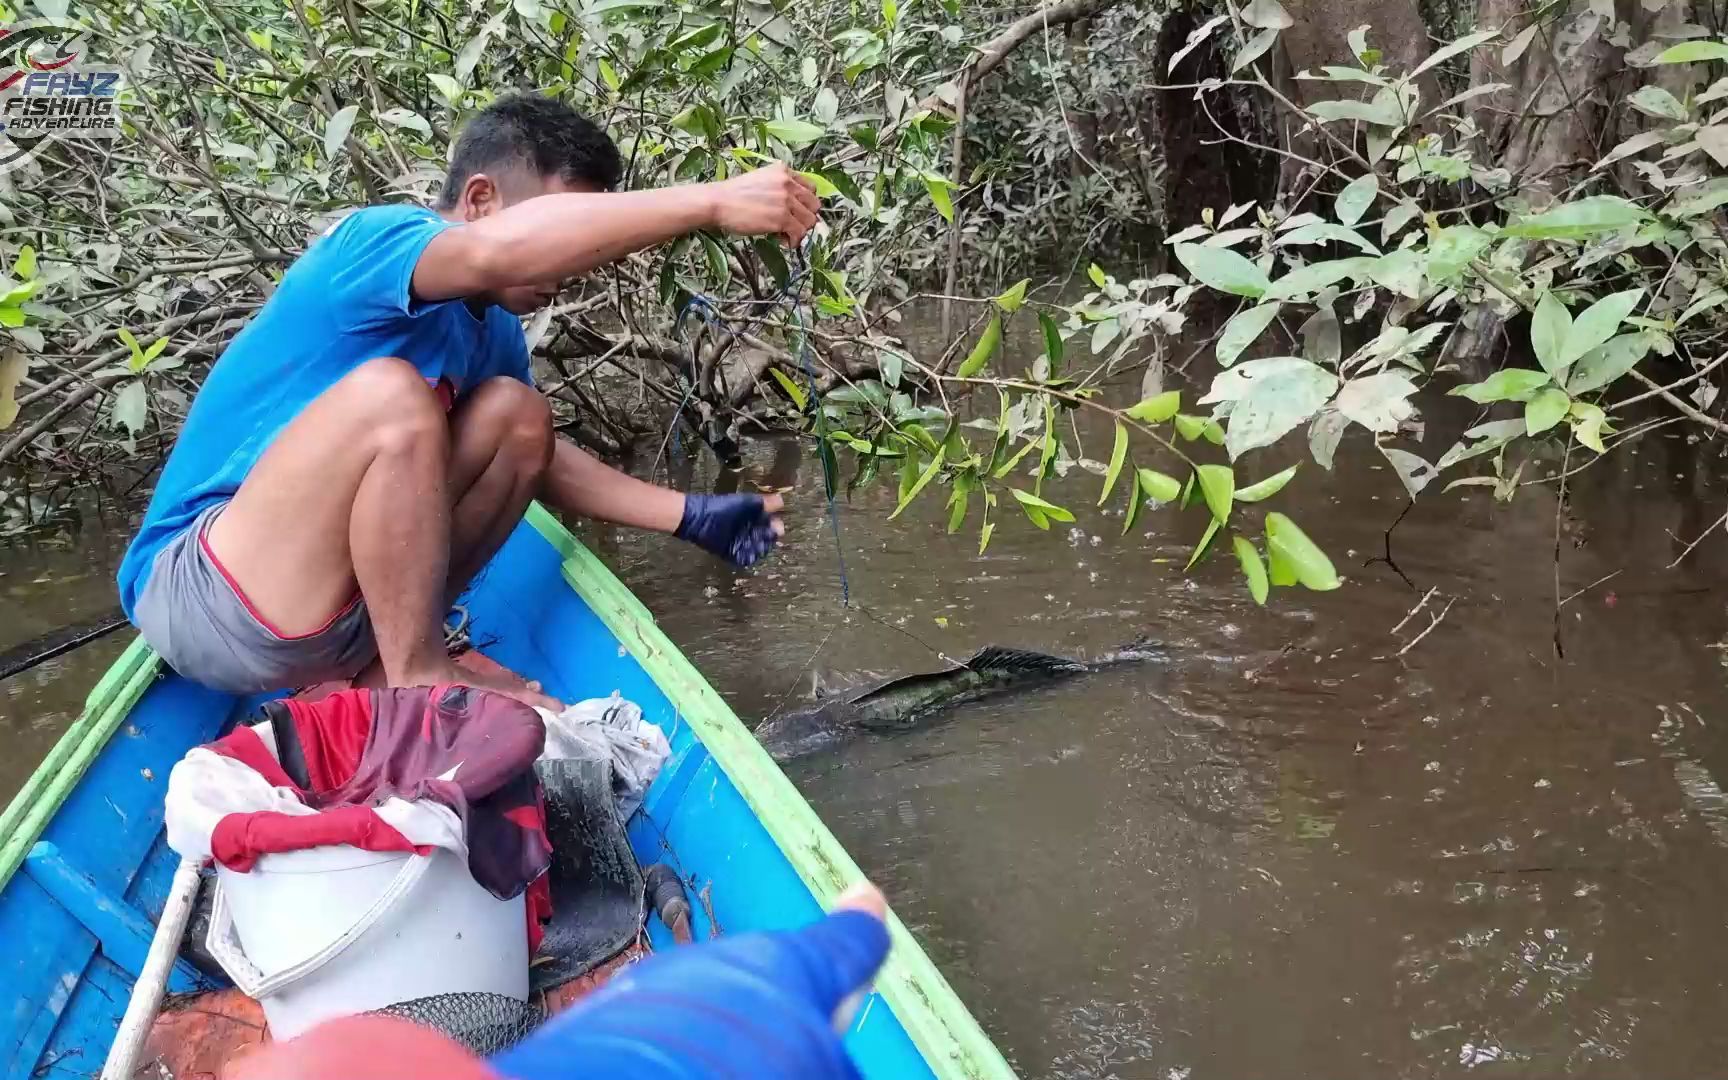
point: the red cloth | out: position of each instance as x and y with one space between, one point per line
351 751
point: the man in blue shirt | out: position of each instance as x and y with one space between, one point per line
372 436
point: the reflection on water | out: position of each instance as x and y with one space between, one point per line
1288 851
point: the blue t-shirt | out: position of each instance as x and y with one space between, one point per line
342 303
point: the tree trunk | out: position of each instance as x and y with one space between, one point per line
1202 168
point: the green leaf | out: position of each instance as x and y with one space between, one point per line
1549 328
717 264
1507 384
1451 249
1242 330
1267 15
1413 471
609 75
1316 276
1158 408
1325 232
795 133
1118 455
1545 410
450 88
1280 569
793 390
1157 485
1218 486
1653 100
13 366
988 342
1222 269
957 501
11 317
1303 558
1268 487
406 118
1596 325
1446 52
1254 49
1252 569
1030 502
131 406
1135 497
155 350
136 362
1607 362
1191 427
24 266
1574 220
1691 52
1382 111
1097 276
1354 201
1379 402
1011 300
1271 396
984 535
1052 343
1400 271
1206 537
336 131
939 194
918 485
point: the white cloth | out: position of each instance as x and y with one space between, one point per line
610 728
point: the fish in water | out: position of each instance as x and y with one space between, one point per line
902 703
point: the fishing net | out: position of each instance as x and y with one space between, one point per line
484 1023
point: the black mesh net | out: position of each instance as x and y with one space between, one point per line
484 1023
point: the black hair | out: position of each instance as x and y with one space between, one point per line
535 132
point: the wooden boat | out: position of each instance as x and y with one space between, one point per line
85 869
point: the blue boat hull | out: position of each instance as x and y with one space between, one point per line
76 914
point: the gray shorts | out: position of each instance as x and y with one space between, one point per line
203 626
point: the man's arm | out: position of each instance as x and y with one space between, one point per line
739 528
550 238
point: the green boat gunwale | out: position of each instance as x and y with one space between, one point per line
939 1025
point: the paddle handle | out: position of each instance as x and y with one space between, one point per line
153 980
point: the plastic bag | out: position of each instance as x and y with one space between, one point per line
610 728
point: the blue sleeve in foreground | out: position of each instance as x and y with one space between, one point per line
756 1005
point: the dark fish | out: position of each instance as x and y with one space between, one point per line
902 703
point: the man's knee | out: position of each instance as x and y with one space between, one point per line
399 408
517 418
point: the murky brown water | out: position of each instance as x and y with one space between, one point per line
1288 851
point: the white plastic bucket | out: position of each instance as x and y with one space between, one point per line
335 931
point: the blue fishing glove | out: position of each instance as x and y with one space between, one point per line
757 1006
738 528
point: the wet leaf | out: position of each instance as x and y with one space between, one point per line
920 483
336 131
1550 326
1507 384
1222 269
1218 488
1158 486
131 406
1309 564
1413 471
793 390
13 365
1011 300
1691 52
988 342
1253 50
1324 434
1268 487
1157 409
1205 543
1354 201
1378 402
1607 362
1545 410
1118 455
1242 330
1045 510
1131 513
1596 325
1252 569
1271 396
1574 220
1052 343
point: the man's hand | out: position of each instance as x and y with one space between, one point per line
738 528
768 201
